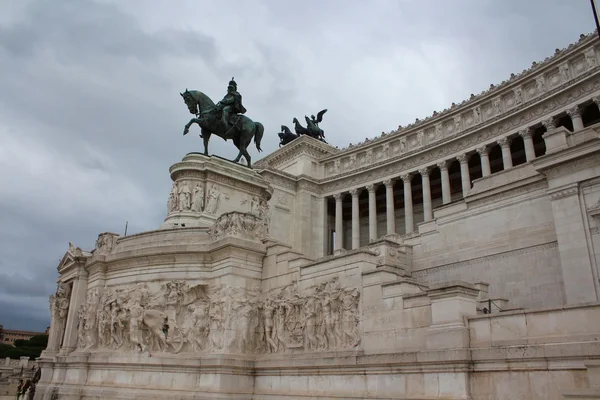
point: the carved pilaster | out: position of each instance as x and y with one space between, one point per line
463 158
549 123
574 112
504 142
525 133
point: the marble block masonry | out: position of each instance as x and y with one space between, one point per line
454 258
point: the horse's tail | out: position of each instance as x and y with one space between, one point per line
258 134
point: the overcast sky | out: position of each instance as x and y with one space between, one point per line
91 117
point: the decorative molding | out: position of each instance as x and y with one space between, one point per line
449 150
563 192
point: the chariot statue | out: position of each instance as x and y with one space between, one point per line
286 136
225 119
312 126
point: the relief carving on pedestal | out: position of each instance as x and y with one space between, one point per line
59 308
209 318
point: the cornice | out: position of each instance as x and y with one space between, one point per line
302 145
495 91
557 99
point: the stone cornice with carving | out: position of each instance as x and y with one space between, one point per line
463 143
571 53
303 145
563 192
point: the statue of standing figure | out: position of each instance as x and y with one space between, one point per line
198 199
184 198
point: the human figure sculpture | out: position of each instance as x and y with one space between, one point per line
184 198
230 106
198 199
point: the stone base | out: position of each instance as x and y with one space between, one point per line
206 187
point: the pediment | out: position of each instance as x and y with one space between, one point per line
304 145
72 256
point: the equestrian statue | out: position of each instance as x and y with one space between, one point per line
312 126
224 119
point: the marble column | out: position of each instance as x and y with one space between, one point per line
389 201
596 101
446 194
465 176
575 114
355 219
506 156
78 296
484 155
339 222
427 209
372 213
528 142
408 204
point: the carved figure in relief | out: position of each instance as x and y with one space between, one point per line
198 198
116 325
214 318
212 200
477 114
336 166
540 85
420 139
81 314
349 301
590 58
402 145
184 198
563 70
369 157
268 309
172 203
386 150
518 96
496 105
457 123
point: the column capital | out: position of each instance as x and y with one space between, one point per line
406 177
442 165
424 171
574 112
354 192
483 150
463 158
371 188
596 100
525 133
549 123
504 142
388 183
337 197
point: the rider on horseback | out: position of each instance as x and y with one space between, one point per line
230 106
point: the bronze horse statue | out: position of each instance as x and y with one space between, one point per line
209 120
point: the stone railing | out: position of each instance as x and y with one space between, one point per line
513 95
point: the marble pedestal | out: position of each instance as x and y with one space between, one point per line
205 187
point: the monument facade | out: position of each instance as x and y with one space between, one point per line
455 258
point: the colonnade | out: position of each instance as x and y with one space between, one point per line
409 217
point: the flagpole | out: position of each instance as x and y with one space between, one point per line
593 2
